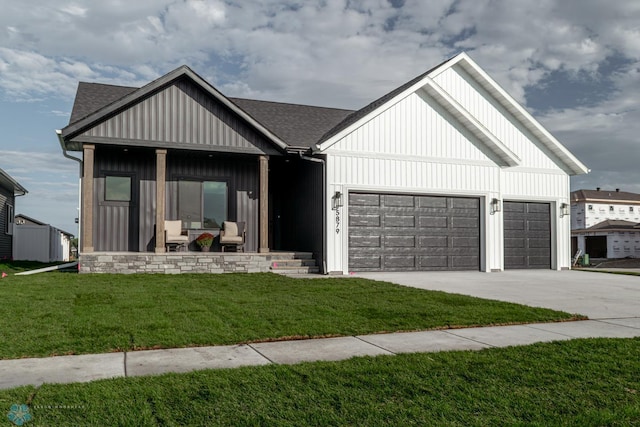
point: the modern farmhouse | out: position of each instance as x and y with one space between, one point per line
446 172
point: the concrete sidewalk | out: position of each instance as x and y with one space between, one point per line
68 369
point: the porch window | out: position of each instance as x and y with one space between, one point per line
117 188
202 204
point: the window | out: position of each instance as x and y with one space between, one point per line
590 207
202 204
117 188
10 220
631 209
611 209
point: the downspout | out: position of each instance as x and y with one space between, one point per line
324 208
80 167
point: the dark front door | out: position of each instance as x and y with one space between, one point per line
527 235
397 232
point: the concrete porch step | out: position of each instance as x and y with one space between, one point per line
293 263
292 271
284 263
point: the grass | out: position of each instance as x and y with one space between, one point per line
12 267
592 382
58 313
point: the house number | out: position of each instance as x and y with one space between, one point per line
337 221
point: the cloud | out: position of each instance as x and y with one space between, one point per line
342 53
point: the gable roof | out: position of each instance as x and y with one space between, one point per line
606 196
426 83
85 122
297 125
11 184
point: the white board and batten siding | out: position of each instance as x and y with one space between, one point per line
416 147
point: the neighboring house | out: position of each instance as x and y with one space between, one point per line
446 172
9 189
34 240
605 223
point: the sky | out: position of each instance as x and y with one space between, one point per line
574 64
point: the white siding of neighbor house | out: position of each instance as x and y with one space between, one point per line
583 217
416 147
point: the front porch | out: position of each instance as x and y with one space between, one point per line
197 262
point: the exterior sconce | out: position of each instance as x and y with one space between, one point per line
337 200
564 210
496 205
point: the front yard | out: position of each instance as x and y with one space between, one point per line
591 382
63 313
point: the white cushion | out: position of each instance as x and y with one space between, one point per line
230 228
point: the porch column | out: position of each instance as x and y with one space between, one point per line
88 151
263 245
161 178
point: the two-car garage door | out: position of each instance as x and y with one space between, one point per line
400 232
392 232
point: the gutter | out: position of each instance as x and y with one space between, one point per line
324 210
64 151
80 170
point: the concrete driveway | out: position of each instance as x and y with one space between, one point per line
597 295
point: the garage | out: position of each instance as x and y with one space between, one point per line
398 232
527 235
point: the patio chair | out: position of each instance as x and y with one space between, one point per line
173 237
232 234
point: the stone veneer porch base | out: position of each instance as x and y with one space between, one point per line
182 262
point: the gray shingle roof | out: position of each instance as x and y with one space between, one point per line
613 224
297 125
91 97
604 195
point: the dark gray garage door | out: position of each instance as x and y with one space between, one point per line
389 232
527 235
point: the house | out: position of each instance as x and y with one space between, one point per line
9 189
446 172
34 240
605 223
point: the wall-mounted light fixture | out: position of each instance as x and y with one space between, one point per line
496 205
337 200
564 209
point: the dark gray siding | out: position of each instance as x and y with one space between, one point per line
122 226
182 115
296 206
6 240
241 173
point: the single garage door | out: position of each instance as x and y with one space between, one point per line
392 232
527 235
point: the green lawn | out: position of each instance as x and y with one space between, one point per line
62 313
12 267
591 382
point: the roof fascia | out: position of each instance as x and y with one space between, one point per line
18 190
104 112
572 163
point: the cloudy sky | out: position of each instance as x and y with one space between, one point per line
575 64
